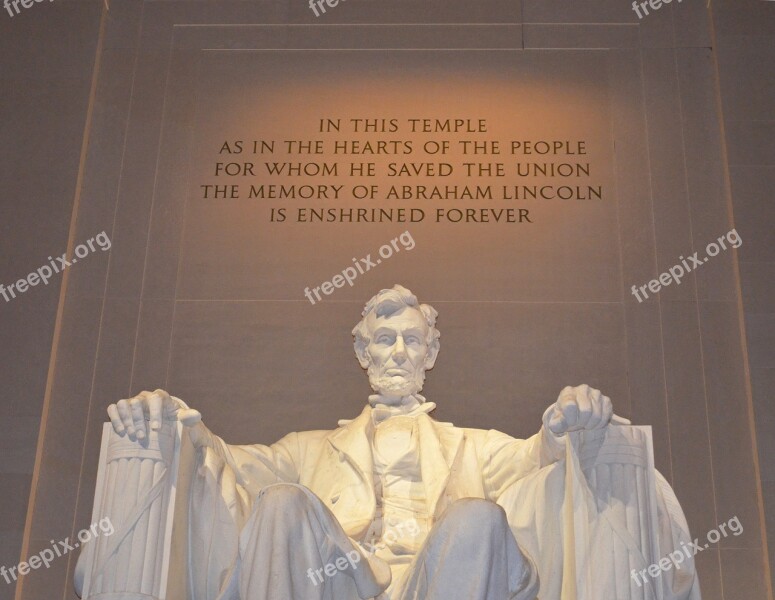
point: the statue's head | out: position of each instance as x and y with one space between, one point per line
397 341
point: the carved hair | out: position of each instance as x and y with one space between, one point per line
387 302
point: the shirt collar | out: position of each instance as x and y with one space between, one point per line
410 406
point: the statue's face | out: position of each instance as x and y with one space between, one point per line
398 352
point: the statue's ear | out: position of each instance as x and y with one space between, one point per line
433 353
361 353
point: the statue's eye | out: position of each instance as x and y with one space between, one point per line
412 340
384 339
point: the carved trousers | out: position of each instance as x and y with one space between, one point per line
293 548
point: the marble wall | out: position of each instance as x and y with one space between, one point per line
162 310
745 42
46 60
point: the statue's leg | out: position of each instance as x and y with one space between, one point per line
470 553
292 547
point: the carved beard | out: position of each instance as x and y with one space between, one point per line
390 386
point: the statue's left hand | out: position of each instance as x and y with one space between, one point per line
577 408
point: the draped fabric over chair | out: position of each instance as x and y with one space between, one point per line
601 516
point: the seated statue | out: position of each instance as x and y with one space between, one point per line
393 505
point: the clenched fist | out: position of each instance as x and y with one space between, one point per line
578 408
133 417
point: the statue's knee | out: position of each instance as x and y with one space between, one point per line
284 497
475 517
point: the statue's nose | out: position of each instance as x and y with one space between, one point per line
399 351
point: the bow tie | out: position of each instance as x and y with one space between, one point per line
410 406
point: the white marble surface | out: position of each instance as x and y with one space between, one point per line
510 514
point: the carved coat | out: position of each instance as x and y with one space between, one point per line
553 510
337 465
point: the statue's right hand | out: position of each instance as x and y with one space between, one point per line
132 417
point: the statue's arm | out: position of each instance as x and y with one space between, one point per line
254 466
506 460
